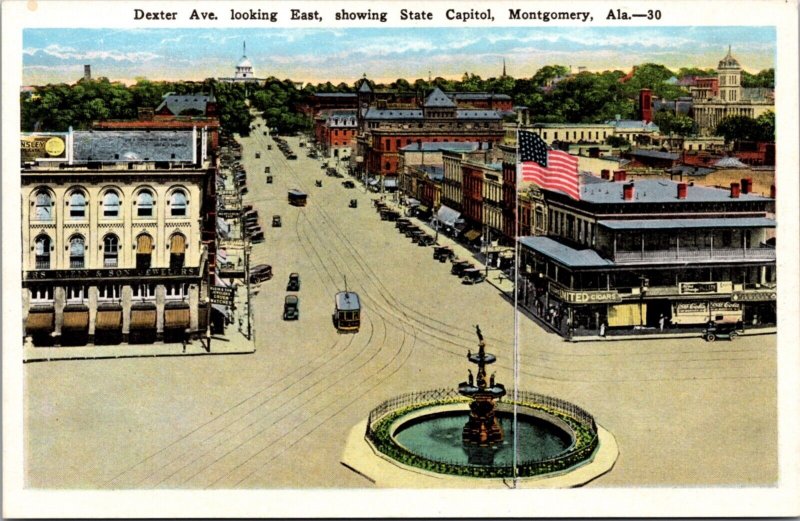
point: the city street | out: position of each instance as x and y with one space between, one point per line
684 411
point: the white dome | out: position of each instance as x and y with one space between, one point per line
244 63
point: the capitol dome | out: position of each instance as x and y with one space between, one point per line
244 63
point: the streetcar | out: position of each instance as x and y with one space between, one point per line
297 198
347 314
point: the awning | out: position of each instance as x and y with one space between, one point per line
76 317
372 182
108 318
144 244
219 308
447 215
143 316
412 202
176 316
390 182
40 321
177 244
472 235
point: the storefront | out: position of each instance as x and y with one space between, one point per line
143 323
176 321
108 324
75 325
40 325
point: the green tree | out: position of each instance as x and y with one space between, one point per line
764 79
740 128
670 123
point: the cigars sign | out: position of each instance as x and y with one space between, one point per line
585 297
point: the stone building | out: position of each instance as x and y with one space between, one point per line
112 247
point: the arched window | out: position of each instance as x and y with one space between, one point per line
178 203
77 205
43 206
42 251
144 250
110 251
77 252
144 204
111 204
177 250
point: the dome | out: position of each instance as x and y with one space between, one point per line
244 63
728 62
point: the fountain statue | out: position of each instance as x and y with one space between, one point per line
482 428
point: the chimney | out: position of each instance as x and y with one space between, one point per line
772 192
605 174
682 189
619 175
627 191
735 190
747 185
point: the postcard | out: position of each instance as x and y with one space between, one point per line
388 259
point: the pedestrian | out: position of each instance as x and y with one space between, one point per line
603 329
661 320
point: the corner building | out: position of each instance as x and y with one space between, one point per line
112 247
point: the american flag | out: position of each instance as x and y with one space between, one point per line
550 169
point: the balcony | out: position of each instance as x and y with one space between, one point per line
42 263
764 254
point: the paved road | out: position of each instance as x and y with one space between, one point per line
683 412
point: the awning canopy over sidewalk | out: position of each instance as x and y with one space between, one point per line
447 216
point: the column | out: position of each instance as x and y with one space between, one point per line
161 294
92 301
126 298
60 298
194 302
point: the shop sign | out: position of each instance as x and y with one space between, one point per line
222 295
111 273
725 305
754 296
35 147
691 307
585 297
704 287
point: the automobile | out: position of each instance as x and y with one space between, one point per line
348 184
416 235
459 266
294 282
402 221
425 240
276 221
260 272
257 238
258 155
250 216
410 230
267 169
269 147
243 190
392 215
291 307
246 208
291 156
353 203
443 253
269 179
472 276
725 330
318 182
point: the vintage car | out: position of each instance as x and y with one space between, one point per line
258 155
353 203
269 179
443 253
348 184
318 183
291 307
459 266
257 238
294 282
276 221
714 331
260 272
472 276
425 240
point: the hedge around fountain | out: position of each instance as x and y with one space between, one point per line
585 442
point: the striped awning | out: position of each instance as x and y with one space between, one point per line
40 321
76 317
143 317
176 317
109 318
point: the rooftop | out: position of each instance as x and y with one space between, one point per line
664 224
437 98
658 191
564 254
466 146
133 145
177 105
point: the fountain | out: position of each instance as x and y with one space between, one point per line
470 431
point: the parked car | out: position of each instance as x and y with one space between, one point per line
348 184
726 331
459 266
269 179
257 238
294 282
291 307
353 203
260 273
318 182
276 221
425 240
443 253
472 276
258 155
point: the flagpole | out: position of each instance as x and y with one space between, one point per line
516 313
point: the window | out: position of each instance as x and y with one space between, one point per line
108 291
42 294
77 205
144 250
111 204
178 204
42 251
76 293
144 204
43 210
144 291
110 251
177 250
77 252
177 290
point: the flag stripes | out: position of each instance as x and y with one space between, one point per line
550 169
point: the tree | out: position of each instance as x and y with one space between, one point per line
764 79
617 141
766 126
743 128
547 73
670 123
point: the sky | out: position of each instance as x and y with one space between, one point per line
383 54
